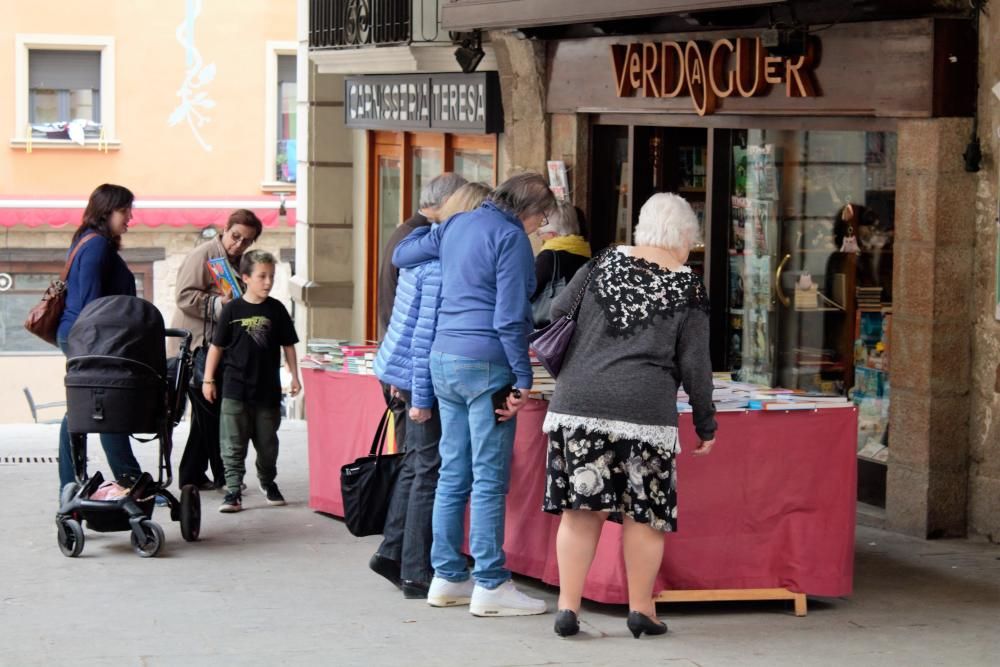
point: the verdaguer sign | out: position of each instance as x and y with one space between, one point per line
463 103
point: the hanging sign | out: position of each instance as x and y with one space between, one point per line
709 71
446 102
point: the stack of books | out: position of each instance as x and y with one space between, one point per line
543 384
323 353
869 298
359 359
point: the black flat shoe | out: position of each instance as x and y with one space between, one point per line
566 623
639 623
415 590
387 568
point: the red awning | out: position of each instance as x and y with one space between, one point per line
150 212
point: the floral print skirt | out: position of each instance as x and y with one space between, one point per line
602 472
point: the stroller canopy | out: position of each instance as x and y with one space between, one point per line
120 326
116 368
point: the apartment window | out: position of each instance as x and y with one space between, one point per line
64 91
64 88
285 158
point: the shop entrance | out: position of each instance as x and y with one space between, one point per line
798 227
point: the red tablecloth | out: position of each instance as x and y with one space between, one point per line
773 506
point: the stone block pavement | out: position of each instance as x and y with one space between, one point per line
287 586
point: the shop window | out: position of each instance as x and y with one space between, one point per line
23 284
400 164
64 90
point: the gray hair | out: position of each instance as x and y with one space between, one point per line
667 221
563 221
524 195
437 191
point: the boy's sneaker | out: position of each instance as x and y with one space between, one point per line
274 496
233 502
504 600
444 593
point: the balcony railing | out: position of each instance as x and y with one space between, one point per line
350 24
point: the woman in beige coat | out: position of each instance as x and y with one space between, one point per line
199 302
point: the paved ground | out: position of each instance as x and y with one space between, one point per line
287 586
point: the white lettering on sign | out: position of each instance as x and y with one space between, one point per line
396 101
459 102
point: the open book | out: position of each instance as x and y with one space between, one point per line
222 274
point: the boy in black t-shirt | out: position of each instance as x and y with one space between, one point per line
253 330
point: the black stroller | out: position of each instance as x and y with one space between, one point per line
117 381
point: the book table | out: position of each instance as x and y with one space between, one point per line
769 514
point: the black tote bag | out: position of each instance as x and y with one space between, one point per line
366 485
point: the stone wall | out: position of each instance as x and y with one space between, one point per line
984 453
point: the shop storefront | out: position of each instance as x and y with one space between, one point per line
791 160
417 127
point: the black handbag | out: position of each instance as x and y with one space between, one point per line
551 343
542 304
366 485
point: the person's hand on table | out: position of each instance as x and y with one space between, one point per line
420 415
705 447
516 400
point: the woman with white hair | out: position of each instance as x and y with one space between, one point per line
563 252
642 331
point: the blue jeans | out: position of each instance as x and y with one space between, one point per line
475 460
116 446
408 523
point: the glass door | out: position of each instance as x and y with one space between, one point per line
385 211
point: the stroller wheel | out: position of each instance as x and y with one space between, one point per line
70 537
190 512
154 539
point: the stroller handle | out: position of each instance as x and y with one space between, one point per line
179 333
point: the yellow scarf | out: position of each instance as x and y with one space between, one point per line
573 243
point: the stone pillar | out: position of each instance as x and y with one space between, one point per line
521 64
927 483
324 281
984 454
570 142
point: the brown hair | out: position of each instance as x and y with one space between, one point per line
247 218
104 200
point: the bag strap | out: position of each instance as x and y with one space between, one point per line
378 442
72 255
575 310
555 273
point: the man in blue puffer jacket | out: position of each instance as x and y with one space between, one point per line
403 361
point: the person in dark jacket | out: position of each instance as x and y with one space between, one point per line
98 270
563 252
433 196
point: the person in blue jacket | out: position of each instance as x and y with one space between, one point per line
403 362
98 270
480 349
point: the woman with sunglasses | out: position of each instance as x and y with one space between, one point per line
199 303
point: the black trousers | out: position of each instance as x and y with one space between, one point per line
202 449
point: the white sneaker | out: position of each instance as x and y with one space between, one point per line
504 600
444 593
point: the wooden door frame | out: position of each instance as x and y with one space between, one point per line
380 144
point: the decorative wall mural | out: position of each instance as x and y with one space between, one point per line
195 103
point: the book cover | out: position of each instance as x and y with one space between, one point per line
222 274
